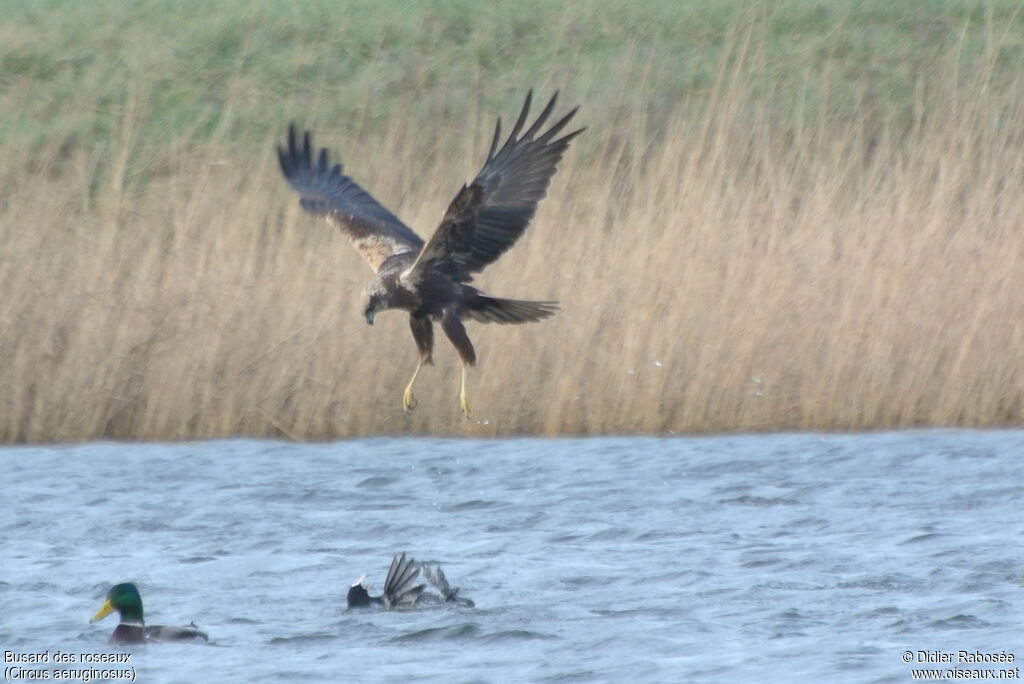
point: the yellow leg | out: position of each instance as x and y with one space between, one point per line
463 399
408 398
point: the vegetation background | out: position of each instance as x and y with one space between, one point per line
798 214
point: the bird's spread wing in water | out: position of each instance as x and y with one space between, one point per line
398 586
435 575
326 192
491 213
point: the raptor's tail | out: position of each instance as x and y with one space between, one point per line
493 310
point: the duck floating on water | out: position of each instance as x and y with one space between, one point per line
400 589
132 629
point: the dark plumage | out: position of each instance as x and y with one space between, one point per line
132 629
430 280
399 587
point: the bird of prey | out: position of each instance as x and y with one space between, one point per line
430 280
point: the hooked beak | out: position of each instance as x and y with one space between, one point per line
105 610
369 317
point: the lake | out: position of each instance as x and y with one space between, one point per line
789 558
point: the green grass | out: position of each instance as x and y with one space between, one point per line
233 70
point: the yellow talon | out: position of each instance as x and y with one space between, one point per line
408 398
463 399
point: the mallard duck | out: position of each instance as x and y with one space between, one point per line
399 590
125 599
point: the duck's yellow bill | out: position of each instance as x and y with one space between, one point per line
105 610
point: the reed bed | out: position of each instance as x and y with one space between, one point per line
768 248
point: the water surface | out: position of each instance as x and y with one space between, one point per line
723 559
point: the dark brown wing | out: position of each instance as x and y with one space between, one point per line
450 250
374 231
489 215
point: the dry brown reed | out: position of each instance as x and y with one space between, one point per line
727 269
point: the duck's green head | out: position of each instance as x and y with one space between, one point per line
125 599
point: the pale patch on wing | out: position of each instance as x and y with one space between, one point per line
376 249
327 192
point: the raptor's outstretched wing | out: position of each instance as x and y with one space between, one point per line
488 215
374 231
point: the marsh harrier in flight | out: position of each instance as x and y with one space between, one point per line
430 280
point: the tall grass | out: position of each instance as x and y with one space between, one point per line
758 248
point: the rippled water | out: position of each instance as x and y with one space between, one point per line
752 558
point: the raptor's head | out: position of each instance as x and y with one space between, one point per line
374 299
